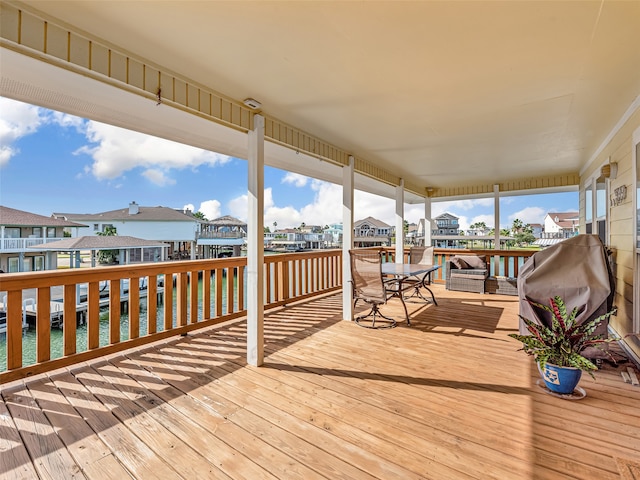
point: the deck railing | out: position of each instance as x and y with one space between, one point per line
22 244
510 261
101 314
173 299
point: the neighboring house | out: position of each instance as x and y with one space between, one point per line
335 235
558 227
215 236
127 250
294 239
411 236
163 224
287 239
372 232
20 230
446 225
537 229
563 225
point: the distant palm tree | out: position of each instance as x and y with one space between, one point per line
107 256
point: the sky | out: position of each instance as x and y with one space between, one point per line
55 162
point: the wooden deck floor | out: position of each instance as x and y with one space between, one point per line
447 398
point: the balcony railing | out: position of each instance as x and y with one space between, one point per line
212 235
509 261
173 299
22 244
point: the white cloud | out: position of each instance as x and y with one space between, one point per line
189 206
65 120
157 177
325 208
210 208
286 217
295 179
18 120
457 205
115 150
529 215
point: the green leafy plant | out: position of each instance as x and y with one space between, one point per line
564 342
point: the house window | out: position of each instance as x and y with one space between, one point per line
13 264
601 208
37 232
96 227
38 263
588 208
51 232
12 232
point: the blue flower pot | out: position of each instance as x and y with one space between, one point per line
563 380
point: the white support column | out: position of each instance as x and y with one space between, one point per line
347 238
496 230
255 245
427 221
400 222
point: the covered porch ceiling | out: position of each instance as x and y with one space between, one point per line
451 97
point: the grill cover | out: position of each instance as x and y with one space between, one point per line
578 270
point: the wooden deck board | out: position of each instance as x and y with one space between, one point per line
449 397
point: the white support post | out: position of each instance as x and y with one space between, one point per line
255 245
427 221
400 222
496 230
347 238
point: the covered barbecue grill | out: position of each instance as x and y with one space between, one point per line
579 270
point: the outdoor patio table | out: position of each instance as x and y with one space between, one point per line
405 271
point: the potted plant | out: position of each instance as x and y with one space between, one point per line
558 349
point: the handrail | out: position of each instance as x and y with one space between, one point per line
218 296
510 261
17 244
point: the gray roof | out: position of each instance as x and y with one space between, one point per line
112 242
227 220
372 221
446 215
11 217
148 214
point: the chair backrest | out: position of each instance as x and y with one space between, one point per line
366 274
422 255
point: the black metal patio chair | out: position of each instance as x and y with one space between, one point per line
370 287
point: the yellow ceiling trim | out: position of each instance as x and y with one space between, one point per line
29 33
538 183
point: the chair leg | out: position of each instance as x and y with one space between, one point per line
374 313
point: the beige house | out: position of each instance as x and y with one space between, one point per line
419 101
20 231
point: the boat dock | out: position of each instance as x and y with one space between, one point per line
56 307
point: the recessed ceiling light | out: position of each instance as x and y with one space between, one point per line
252 103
